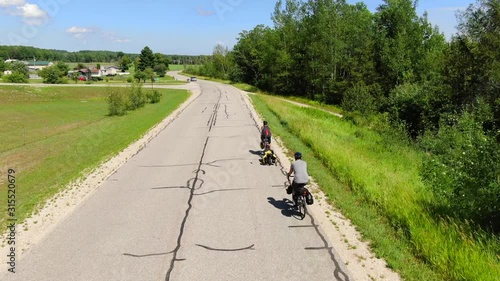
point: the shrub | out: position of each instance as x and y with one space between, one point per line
130 79
462 169
137 97
50 75
118 103
153 97
16 77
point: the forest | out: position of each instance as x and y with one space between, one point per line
392 65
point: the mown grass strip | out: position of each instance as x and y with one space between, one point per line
54 135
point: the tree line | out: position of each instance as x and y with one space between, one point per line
27 53
147 65
395 65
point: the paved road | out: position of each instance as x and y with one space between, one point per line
195 204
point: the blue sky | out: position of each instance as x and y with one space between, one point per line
170 27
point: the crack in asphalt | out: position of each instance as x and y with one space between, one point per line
251 247
186 215
213 118
147 255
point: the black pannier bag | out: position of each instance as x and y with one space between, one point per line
309 198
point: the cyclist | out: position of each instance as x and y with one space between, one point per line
301 178
265 135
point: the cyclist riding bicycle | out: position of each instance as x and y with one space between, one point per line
301 178
265 135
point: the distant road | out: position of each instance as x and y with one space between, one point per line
194 204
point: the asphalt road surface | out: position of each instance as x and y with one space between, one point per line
194 204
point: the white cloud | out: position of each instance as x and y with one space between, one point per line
75 29
31 13
82 32
122 40
79 32
8 3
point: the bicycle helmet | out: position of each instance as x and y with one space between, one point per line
265 123
298 155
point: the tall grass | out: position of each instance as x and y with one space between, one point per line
379 179
54 135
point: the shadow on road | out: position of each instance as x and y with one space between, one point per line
256 152
285 205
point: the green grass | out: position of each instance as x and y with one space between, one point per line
180 67
375 182
53 135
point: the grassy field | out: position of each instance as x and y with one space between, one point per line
176 67
375 182
53 135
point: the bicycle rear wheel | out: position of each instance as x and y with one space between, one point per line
301 207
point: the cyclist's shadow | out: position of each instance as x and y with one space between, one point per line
286 206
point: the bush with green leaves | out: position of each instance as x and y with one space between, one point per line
19 67
136 96
463 169
117 103
16 77
53 75
154 96
360 98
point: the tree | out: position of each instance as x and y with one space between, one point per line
220 57
98 66
3 66
19 67
125 62
137 61
62 68
160 69
51 75
146 59
473 67
140 76
161 59
150 74
120 55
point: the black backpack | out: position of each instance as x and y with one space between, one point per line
266 131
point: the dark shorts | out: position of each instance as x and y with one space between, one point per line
297 187
266 138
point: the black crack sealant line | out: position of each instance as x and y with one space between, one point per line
251 247
186 215
213 118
